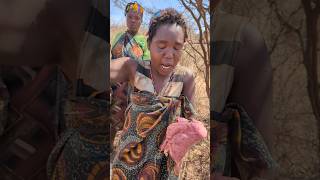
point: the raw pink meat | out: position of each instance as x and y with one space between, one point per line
180 136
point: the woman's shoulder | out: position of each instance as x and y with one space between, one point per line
140 39
140 36
119 34
184 71
185 77
184 74
116 38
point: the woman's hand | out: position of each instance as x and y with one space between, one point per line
122 69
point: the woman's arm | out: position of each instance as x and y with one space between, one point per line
115 40
122 69
189 86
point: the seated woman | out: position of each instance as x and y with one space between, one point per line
158 85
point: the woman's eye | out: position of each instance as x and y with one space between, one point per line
178 47
161 46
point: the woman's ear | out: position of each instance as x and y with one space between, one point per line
185 40
184 45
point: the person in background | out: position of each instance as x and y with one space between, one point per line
127 44
130 43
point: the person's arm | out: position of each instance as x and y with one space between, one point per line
115 39
189 87
252 87
122 69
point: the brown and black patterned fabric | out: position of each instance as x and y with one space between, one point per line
82 151
148 115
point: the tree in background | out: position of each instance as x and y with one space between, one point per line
306 31
200 43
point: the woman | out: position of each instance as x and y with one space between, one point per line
130 43
127 44
158 85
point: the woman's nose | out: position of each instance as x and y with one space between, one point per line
133 20
169 53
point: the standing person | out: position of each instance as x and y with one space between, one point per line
130 43
241 89
127 44
158 85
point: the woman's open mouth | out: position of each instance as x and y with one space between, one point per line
166 67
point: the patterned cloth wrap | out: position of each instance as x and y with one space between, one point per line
236 137
147 118
125 45
82 151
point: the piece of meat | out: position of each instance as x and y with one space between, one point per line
180 136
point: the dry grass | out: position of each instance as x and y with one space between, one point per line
196 163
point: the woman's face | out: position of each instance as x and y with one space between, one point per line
166 48
134 20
